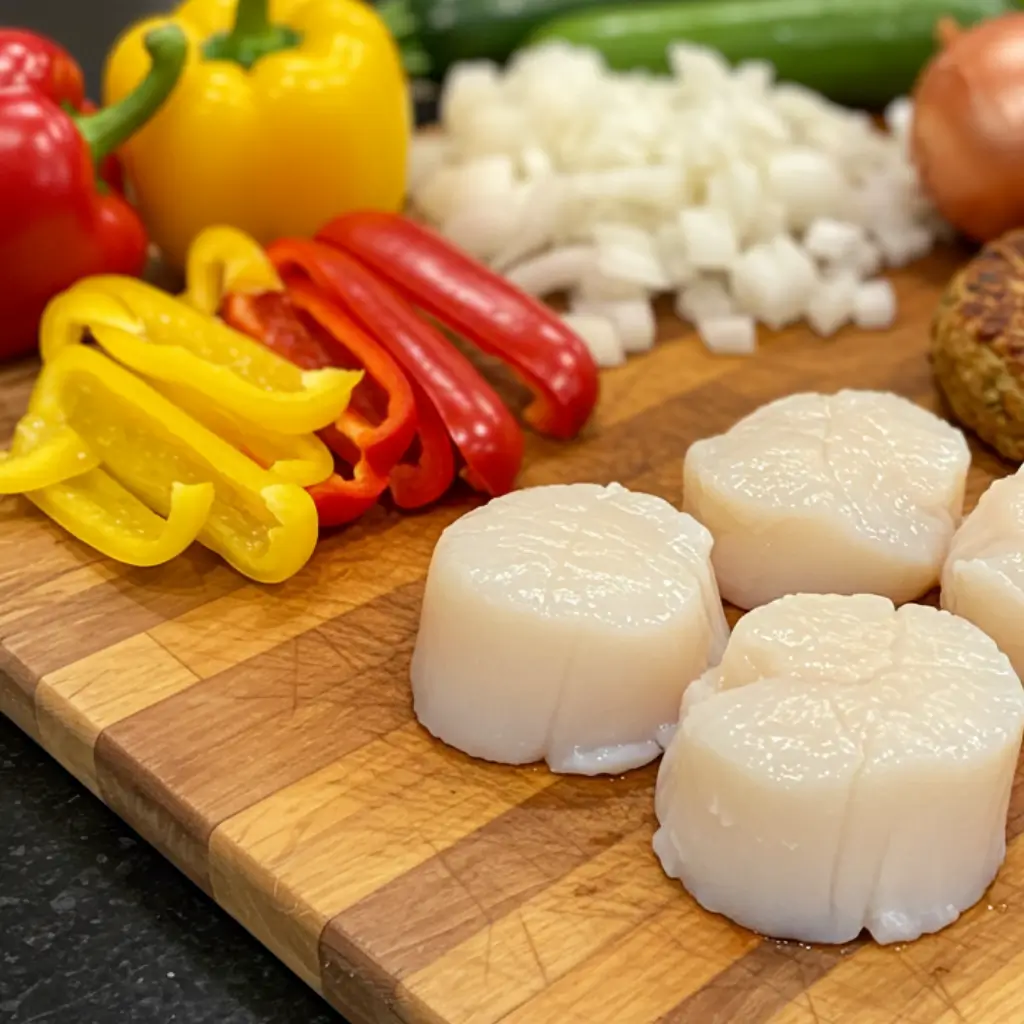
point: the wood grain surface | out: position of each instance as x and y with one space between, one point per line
262 738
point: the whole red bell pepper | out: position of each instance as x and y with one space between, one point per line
486 310
43 65
59 221
483 430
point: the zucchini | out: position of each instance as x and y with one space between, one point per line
862 53
447 31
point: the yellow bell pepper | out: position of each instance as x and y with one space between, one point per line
58 472
223 259
97 510
288 113
301 459
156 456
165 339
45 456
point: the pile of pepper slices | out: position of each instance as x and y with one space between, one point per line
284 391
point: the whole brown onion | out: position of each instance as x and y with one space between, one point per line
967 137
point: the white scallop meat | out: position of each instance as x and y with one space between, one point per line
983 578
857 492
562 624
847 766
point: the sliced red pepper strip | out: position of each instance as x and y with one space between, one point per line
380 420
418 483
475 302
343 499
374 463
368 450
484 431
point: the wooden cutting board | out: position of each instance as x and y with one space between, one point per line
262 738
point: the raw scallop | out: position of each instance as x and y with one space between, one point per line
857 492
847 766
983 579
563 623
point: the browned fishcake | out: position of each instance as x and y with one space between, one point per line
978 344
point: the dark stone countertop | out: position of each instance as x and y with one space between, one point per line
96 927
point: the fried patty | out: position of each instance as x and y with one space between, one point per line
977 349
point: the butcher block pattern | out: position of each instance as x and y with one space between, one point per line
262 738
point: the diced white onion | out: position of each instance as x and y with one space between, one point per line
536 214
898 116
864 259
729 335
705 299
599 286
599 335
709 238
903 244
428 153
748 198
874 305
831 304
808 183
626 253
671 249
558 270
737 190
633 320
833 241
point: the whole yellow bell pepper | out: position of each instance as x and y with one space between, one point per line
288 113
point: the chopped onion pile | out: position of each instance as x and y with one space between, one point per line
752 201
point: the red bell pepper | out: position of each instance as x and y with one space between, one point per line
379 425
42 65
428 469
46 67
473 301
58 220
483 430
310 330
413 484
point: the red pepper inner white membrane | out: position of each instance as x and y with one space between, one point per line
563 623
853 493
847 766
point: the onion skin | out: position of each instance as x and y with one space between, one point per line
967 135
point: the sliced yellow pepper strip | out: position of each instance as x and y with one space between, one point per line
222 260
41 456
94 507
301 459
165 339
264 527
97 510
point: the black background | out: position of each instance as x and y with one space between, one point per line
85 27
95 926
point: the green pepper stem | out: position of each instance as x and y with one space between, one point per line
252 36
252 18
111 127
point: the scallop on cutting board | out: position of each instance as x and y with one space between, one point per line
262 738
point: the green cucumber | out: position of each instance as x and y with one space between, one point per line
448 31
862 53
